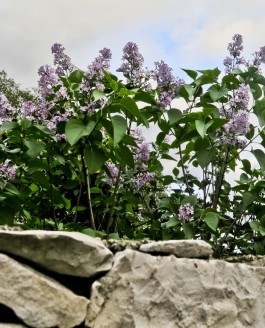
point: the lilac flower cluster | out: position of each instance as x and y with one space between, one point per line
7 172
61 60
185 211
238 115
142 151
168 85
111 179
94 72
235 48
7 112
132 67
259 57
141 180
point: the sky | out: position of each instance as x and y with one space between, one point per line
185 34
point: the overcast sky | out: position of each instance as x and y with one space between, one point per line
190 34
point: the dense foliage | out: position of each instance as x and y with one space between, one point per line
75 157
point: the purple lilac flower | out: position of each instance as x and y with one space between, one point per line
48 80
235 48
142 153
141 180
240 99
101 62
259 57
114 174
7 112
185 212
239 124
168 86
7 172
132 67
61 60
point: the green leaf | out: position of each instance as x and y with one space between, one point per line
188 230
145 97
34 148
201 127
131 106
260 156
212 220
205 156
114 235
11 188
95 158
174 115
119 128
216 92
172 222
192 200
98 94
255 225
76 76
126 155
76 129
190 73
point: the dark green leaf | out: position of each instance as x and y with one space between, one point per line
76 129
119 128
95 158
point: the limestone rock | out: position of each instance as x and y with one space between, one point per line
70 253
38 300
145 291
180 248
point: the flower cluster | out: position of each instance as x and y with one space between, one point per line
7 172
141 179
142 151
235 48
114 174
238 115
7 112
132 67
168 86
61 60
259 57
94 73
185 211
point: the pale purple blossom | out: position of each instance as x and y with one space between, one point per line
259 57
7 112
239 123
132 66
7 172
235 49
48 80
186 211
141 180
61 60
168 86
114 175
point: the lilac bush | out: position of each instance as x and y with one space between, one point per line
75 157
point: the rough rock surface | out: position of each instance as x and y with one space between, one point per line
70 253
36 299
145 291
180 248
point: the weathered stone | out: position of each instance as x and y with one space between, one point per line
36 299
148 291
180 248
70 253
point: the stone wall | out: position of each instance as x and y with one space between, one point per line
68 279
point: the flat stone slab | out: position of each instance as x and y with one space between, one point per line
70 253
38 300
146 291
179 248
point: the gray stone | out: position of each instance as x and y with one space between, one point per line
145 291
70 253
179 248
37 300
